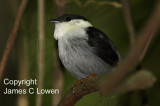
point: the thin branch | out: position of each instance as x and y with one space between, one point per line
60 3
114 4
146 48
71 98
116 77
140 80
58 68
88 2
23 71
130 27
133 57
129 23
131 31
12 37
40 49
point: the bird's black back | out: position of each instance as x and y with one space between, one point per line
103 47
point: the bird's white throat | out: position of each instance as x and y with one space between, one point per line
74 26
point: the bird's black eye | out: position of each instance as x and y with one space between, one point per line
68 19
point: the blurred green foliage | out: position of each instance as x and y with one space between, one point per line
104 17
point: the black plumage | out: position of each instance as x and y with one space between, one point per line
103 46
68 17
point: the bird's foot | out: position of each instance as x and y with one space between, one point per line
82 81
75 84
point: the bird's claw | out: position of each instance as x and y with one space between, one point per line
82 82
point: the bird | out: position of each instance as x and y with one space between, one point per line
83 49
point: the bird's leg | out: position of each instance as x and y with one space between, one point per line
82 81
75 84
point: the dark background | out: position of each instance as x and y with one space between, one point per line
22 61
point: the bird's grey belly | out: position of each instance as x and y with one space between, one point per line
79 59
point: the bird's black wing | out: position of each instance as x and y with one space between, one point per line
102 46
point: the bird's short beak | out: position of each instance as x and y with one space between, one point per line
54 20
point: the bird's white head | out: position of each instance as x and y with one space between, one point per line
69 23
